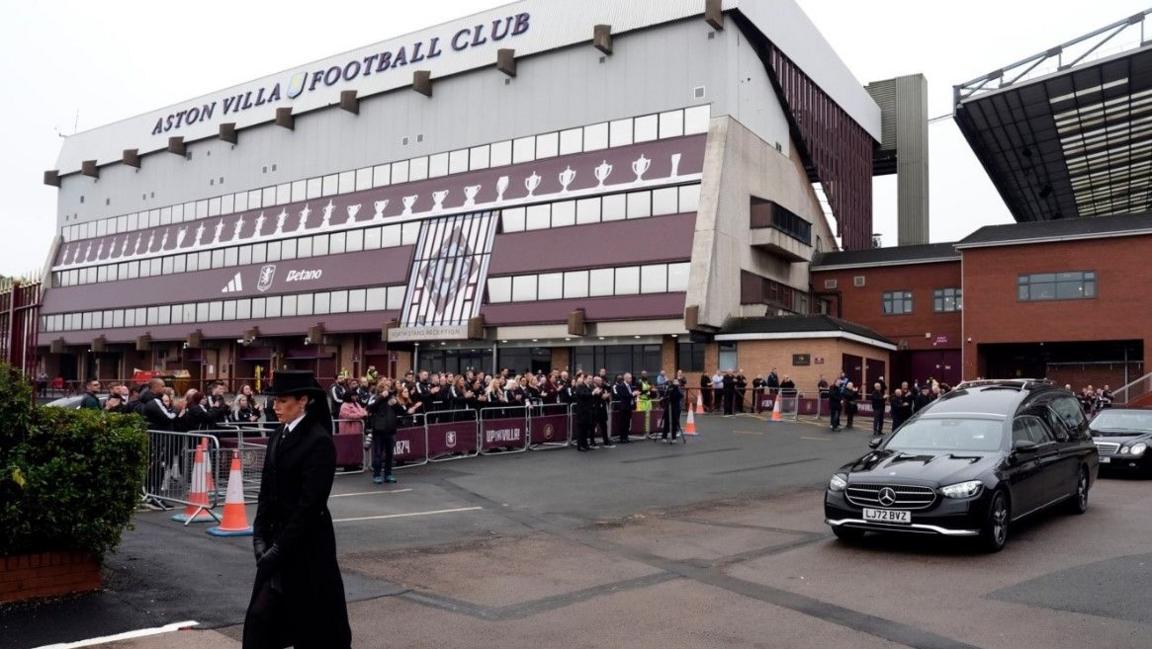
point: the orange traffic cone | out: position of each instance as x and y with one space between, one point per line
690 425
209 468
235 521
699 404
776 409
197 509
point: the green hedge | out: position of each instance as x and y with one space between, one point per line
69 479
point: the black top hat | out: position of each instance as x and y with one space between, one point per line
294 383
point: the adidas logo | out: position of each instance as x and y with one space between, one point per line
234 286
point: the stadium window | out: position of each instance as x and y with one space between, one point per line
1079 285
690 357
897 302
946 300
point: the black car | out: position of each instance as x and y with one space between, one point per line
968 465
1123 437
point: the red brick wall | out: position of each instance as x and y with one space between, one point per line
865 306
1122 309
47 574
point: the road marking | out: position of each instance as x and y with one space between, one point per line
817 439
370 493
129 635
387 516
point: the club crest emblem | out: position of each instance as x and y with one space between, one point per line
296 84
450 271
450 439
548 431
267 274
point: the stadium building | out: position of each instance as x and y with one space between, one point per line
546 185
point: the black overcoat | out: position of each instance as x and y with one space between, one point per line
300 601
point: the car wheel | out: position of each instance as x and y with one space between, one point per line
995 532
1079 502
848 534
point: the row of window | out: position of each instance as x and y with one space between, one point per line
612 207
275 306
1079 285
599 282
944 300
595 137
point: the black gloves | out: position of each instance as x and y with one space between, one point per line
270 559
259 547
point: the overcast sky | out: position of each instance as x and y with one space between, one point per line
104 61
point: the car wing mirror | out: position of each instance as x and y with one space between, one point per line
1024 446
875 442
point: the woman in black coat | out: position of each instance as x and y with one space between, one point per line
298 596
384 417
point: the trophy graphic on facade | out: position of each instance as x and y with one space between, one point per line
181 236
280 221
409 201
328 209
380 207
566 177
139 241
353 210
602 172
303 218
438 200
151 240
216 236
236 230
164 239
501 187
470 193
100 249
259 225
531 183
640 167
675 165
196 242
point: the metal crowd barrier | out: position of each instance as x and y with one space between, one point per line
456 439
171 464
411 448
645 424
503 430
349 437
549 426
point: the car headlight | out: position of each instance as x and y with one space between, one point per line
1124 451
963 489
1138 449
837 483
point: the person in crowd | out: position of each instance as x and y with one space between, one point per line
253 401
788 386
351 414
741 394
822 388
878 402
644 391
149 392
901 408
706 391
215 406
585 399
718 392
883 384
91 398
673 402
728 392
159 412
757 393
194 415
851 398
624 402
603 394
772 383
922 398
661 378
298 594
384 414
835 404
112 404
337 391
242 411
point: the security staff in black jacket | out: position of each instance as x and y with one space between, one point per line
603 394
298 595
585 411
624 398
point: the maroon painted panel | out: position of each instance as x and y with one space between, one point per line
616 243
549 429
297 326
622 307
411 444
389 266
452 438
360 207
506 432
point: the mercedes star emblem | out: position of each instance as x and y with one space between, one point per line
887 497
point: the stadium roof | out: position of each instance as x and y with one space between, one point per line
1064 135
799 327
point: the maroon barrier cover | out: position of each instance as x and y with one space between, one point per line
508 432
549 429
452 437
411 446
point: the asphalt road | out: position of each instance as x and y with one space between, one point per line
717 543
